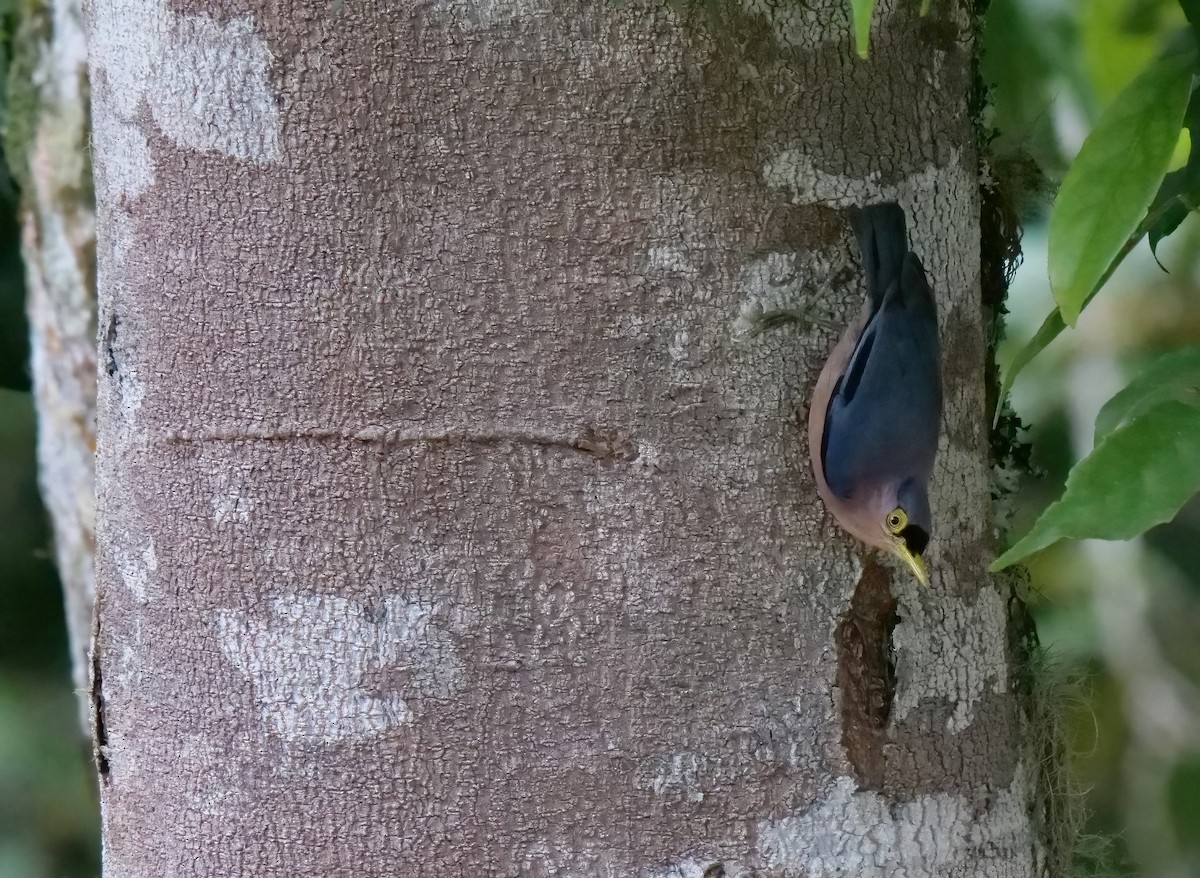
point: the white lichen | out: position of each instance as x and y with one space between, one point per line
795 171
965 661
230 502
231 507
130 391
136 569
773 280
324 669
866 835
127 167
205 82
690 867
960 477
921 194
213 92
676 773
677 346
665 260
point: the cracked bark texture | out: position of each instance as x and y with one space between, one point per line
450 521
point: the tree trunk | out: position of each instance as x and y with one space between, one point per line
451 523
46 140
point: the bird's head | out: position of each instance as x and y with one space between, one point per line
906 525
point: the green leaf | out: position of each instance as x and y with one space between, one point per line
1137 477
1053 325
1112 49
1179 193
1173 376
1112 181
861 11
1177 196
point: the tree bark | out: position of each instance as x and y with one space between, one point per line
46 141
452 523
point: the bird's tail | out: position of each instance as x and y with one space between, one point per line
883 241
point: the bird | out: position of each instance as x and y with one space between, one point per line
876 408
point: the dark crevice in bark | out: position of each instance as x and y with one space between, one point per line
866 674
100 730
109 347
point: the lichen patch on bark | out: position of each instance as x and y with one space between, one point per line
678 773
691 867
206 83
230 504
967 661
866 835
324 668
490 13
129 168
797 172
137 568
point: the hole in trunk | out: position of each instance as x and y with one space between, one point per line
867 673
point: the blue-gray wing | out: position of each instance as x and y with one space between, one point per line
882 423
883 243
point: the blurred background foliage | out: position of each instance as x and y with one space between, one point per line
1120 621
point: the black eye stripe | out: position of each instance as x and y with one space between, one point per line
915 538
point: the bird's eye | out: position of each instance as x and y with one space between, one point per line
897 520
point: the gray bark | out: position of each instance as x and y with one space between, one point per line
58 244
450 522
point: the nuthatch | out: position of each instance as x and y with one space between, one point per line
873 420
